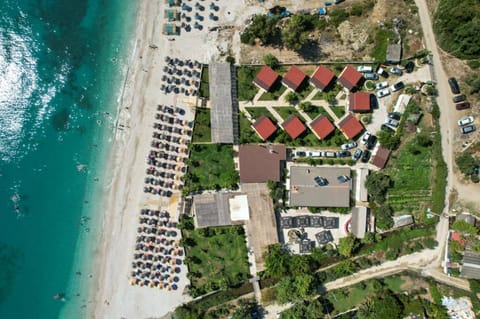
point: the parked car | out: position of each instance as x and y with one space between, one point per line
462 106
356 155
395 115
476 169
365 137
329 154
459 98
314 154
466 120
343 154
364 68
391 122
385 127
372 141
381 85
300 154
383 93
343 178
348 146
452 82
370 76
397 86
382 72
396 71
468 129
321 181
365 156
409 67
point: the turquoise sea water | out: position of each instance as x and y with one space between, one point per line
62 65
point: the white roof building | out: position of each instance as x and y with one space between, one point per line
239 208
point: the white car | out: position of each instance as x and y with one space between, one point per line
466 120
348 146
314 154
364 68
381 85
365 137
383 93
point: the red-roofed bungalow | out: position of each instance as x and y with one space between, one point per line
350 126
294 78
264 127
266 78
359 102
322 77
349 77
322 127
293 126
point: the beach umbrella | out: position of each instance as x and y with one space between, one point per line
174 287
177 270
176 279
133 281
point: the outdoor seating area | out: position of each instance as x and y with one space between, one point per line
197 14
169 152
170 29
157 256
181 76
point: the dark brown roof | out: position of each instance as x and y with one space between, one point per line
349 77
266 78
322 77
261 163
294 78
380 159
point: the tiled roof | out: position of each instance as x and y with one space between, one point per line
266 78
349 77
293 126
264 127
359 102
322 127
322 77
294 78
350 126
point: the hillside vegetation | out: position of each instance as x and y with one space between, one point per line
457 25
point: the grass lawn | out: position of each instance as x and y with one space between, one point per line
211 167
216 257
286 111
275 92
382 39
256 112
338 110
247 134
393 283
411 175
304 90
345 299
329 93
245 86
204 83
314 113
201 132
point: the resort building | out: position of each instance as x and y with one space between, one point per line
322 77
470 265
358 223
294 78
350 77
360 102
305 191
466 217
381 157
220 209
322 127
350 126
261 163
293 126
264 127
223 113
266 78
402 220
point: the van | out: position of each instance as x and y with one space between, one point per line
330 154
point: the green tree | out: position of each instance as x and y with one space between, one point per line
295 288
291 97
304 310
389 139
465 162
187 312
369 238
295 33
245 309
377 184
307 107
383 217
263 27
380 307
271 60
423 139
277 261
464 227
347 245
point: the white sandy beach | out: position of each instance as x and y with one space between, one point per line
112 296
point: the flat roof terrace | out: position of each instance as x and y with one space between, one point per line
305 192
